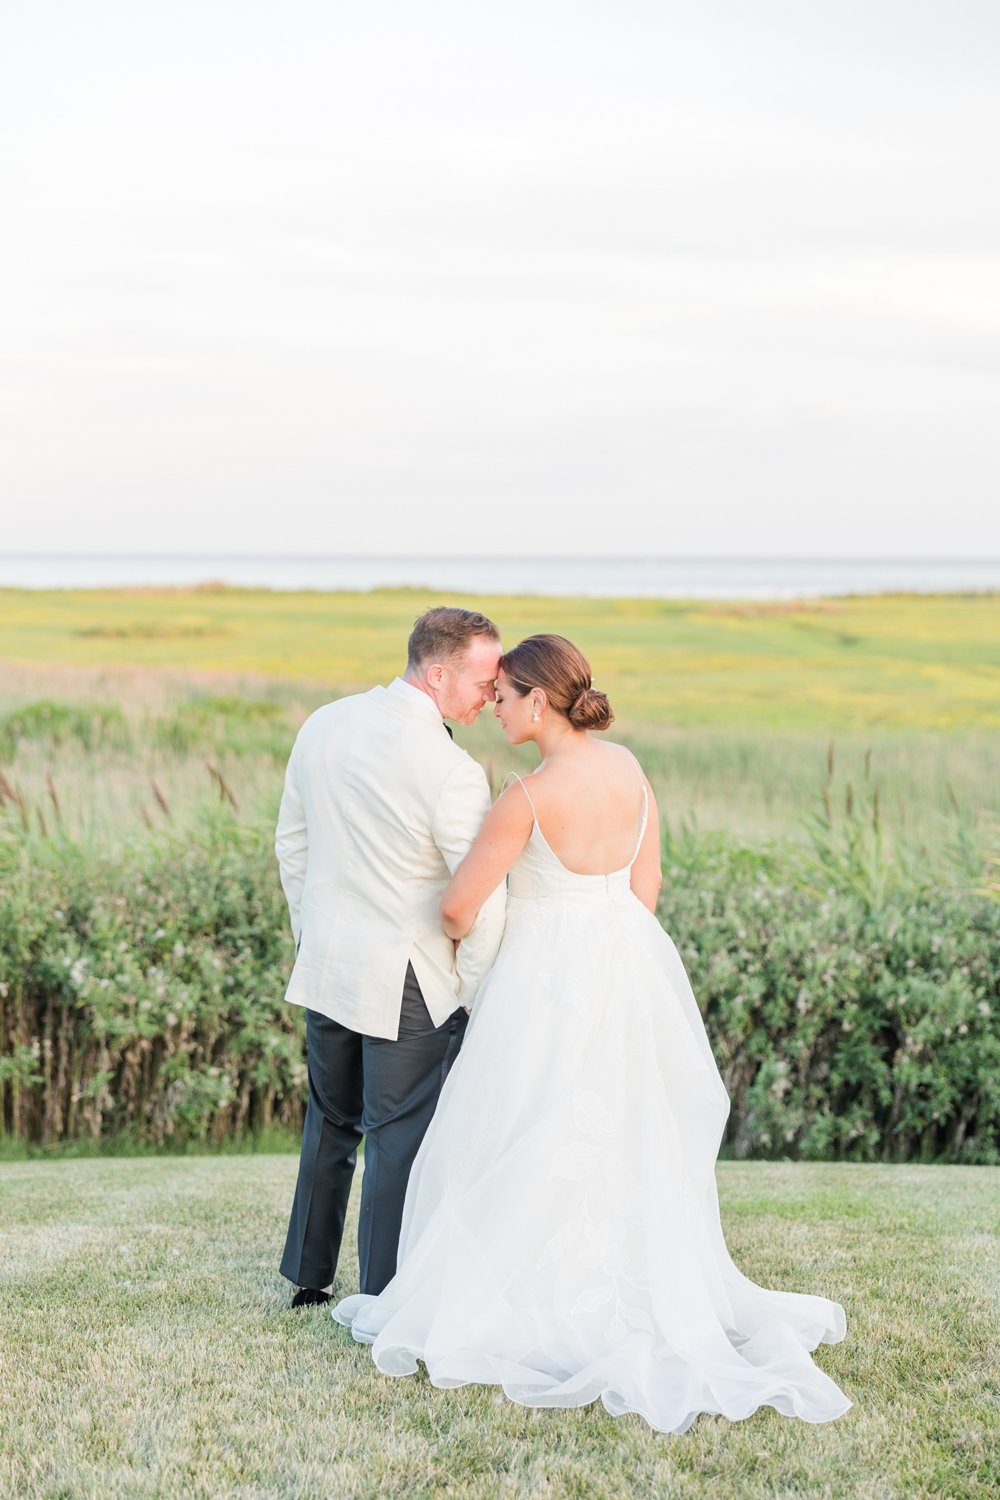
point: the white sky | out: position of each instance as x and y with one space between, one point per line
446 275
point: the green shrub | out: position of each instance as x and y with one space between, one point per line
226 724
844 1029
50 724
141 997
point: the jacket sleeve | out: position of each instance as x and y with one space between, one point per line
461 807
291 845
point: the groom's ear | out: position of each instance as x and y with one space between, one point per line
434 674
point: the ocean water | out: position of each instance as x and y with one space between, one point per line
646 577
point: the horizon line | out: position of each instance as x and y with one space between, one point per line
486 556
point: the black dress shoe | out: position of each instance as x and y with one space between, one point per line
307 1296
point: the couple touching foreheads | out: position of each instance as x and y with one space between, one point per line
493 1007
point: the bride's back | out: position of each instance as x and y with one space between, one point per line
589 806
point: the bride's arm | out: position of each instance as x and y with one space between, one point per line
647 875
505 831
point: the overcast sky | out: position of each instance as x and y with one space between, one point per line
538 277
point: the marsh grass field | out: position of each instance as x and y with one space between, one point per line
740 712
146 1347
865 661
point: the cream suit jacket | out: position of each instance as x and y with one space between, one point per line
379 808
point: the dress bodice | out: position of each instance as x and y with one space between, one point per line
539 873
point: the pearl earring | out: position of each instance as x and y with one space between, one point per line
534 717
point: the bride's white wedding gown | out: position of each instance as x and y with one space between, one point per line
561 1235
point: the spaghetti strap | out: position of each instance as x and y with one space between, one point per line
643 822
645 806
524 789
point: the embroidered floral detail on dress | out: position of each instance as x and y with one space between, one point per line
591 1114
606 1251
601 1244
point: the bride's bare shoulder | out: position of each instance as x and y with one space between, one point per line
603 764
619 757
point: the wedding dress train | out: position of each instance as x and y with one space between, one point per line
561 1236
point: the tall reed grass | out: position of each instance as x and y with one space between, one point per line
118 747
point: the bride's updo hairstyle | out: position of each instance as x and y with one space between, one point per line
555 664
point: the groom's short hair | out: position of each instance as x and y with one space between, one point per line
444 633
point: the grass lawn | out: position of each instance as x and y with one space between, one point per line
146 1349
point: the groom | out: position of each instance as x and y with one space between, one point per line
379 808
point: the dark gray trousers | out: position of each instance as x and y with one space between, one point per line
385 1091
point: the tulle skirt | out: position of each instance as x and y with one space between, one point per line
561 1236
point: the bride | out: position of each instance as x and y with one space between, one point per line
561 1235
